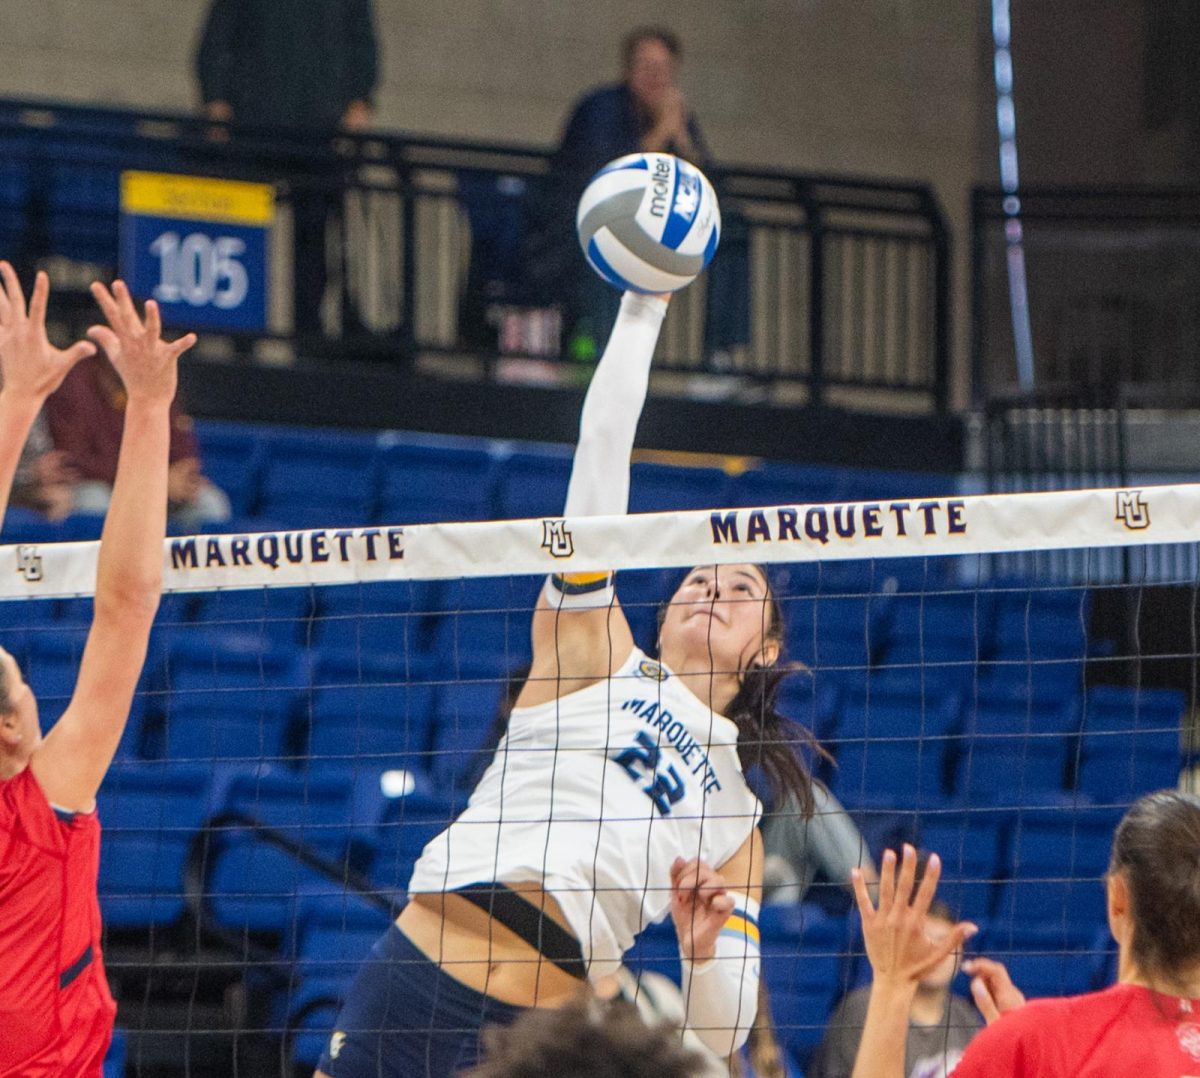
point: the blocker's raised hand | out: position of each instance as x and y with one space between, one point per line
30 366
146 363
897 946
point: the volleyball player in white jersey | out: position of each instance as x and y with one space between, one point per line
616 796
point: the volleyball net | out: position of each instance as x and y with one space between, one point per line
995 677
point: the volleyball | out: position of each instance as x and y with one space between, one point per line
649 222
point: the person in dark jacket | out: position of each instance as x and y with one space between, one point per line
308 66
645 112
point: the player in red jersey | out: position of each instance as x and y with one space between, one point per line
1146 1026
56 1013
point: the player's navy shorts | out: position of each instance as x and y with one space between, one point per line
405 1018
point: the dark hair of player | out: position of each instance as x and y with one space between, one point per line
1157 849
587 1039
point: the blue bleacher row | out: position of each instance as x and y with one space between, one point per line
944 705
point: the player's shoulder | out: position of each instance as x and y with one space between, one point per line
25 810
1045 1025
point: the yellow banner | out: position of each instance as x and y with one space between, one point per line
196 198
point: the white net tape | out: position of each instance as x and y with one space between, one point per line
986 524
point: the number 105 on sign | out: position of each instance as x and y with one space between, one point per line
201 271
199 247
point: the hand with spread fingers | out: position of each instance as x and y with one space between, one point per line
146 363
30 366
700 907
899 950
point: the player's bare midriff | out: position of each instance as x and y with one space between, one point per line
484 955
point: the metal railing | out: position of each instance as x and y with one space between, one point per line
823 284
1114 289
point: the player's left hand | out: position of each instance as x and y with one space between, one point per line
700 907
30 366
897 946
147 364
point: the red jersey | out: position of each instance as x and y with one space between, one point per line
1123 1032
56 1012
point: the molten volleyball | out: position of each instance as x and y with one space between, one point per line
649 222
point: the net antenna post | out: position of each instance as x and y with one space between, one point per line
1014 234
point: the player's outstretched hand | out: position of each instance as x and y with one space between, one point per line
30 366
146 363
992 988
699 907
897 946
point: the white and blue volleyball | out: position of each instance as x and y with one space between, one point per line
649 222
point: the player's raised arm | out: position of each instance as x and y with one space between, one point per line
580 634
71 763
31 368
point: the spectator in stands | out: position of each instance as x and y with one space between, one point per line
645 111
45 480
1145 1025
800 849
940 1023
311 68
86 417
585 1039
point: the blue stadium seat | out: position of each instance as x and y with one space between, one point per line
333 936
1130 742
318 479
1015 750
468 704
405 828
485 622
1047 961
1043 627
533 484
1058 859
385 619
272 614
973 845
423 484
371 727
25 526
943 633
49 662
656 950
235 725
233 459
894 740
836 635
659 488
804 969
374 688
151 813
252 885
783 484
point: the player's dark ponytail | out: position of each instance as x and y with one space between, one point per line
771 742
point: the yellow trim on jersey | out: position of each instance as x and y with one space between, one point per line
584 579
743 927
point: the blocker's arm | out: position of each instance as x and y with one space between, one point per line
71 763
